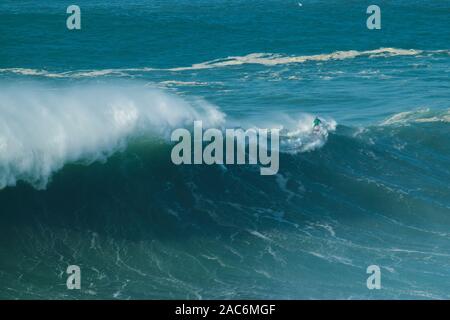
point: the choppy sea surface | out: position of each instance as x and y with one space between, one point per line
85 171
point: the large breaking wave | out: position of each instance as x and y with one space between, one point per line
43 128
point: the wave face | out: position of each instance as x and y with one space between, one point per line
132 221
85 170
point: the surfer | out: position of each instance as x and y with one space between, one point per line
316 124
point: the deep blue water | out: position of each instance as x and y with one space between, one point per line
85 170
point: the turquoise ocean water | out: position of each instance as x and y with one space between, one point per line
85 171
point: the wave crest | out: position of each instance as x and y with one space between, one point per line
41 128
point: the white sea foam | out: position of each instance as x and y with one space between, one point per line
267 59
32 72
184 83
299 135
41 129
417 116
